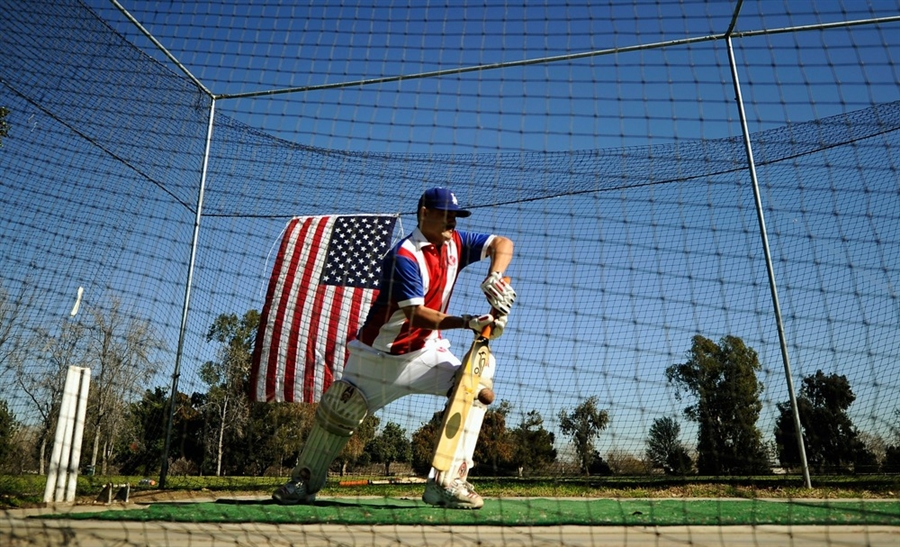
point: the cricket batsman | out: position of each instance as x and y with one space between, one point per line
399 349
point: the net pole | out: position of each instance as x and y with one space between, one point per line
173 396
751 164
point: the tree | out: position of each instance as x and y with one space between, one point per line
12 325
664 450
37 361
121 350
354 452
142 442
600 467
227 404
722 380
4 125
831 440
43 384
583 425
278 432
495 444
891 462
532 445
424 441
390 446
8 428
621 462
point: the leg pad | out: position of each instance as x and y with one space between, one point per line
341 410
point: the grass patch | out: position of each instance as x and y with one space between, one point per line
518 512
27 490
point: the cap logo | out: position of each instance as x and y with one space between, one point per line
453 197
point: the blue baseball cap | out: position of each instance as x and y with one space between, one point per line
442 199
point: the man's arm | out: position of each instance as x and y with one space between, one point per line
501 253
495 286
426 318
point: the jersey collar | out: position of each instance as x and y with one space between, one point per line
419 241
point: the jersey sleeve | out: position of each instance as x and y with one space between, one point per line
406 286
473 247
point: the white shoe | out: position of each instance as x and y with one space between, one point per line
459 495
292 493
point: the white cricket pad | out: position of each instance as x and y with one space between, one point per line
341 410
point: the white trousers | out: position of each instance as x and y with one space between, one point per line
384 378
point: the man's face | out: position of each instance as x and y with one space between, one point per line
438 225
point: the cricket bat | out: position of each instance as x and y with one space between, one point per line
461 399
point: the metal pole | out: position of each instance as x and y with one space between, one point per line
769 267
187 298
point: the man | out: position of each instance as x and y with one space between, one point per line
400 351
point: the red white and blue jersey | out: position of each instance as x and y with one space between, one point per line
416 273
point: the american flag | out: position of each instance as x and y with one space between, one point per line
323 283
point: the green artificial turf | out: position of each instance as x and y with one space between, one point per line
519 512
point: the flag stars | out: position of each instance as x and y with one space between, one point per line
355 250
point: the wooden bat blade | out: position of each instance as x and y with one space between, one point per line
462 397
461 400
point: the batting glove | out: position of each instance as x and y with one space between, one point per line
478 322
499 293
499 325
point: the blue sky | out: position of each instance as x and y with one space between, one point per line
613 281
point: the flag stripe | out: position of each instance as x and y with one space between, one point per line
312 343
347 323
265 332
282 289
313 259
278 366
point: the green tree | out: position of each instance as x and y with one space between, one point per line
227 406
891 462
354 452
4 125
584 424
722 380
664 450
278 432
140 446
424 441
8 428
495 446
832 442
390 446
533 448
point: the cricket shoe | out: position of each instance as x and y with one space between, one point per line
458 495
293 493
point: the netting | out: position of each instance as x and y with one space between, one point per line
156 151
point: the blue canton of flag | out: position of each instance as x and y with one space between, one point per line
354 253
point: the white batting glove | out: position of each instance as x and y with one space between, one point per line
478 322
499 325
499 293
